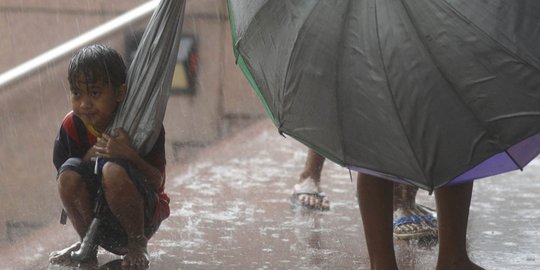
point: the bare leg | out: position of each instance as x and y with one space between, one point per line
313 167
453 212
375 198
79 208
404 196
309 184
127 205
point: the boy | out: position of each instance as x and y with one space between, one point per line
132 186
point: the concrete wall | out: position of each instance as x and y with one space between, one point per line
32 109
31 27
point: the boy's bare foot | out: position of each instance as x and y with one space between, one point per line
307 194
137 256
63 257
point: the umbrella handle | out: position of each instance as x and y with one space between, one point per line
88 243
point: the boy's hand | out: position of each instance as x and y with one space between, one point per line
118 146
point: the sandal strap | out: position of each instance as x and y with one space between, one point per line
320 194
407 220
414 219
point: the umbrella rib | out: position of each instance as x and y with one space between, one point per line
514 160
341 118
389 87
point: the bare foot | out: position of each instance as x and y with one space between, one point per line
137 256
465 264
308 194
63 257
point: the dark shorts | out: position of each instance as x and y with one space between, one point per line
112 236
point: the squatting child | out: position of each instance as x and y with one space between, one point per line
132 185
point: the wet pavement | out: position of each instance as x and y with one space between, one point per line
230 210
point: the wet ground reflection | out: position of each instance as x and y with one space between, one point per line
230 211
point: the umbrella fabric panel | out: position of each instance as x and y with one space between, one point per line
457 71
525 151
501 89
150 76
511 23
496 82
516 157
244 19
374 134
305 101
419 91
394 71
257 40
309 97
407 139
273 44
270 51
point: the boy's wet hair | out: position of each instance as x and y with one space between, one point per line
97 63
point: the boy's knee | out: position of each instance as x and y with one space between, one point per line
114 176
113 170
69 182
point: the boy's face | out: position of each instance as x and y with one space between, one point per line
95 103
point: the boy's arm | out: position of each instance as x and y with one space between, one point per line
65 147
120 147
60 152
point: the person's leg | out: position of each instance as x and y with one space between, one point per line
404 196
410 219
375 198
76 200
127 205
308 190
78 205
453 212
313 167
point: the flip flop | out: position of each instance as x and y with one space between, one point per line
416 226
306 194
321 202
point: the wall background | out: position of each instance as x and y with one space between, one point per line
32 109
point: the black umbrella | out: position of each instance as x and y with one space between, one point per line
428 92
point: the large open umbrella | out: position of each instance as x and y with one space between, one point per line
428 92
